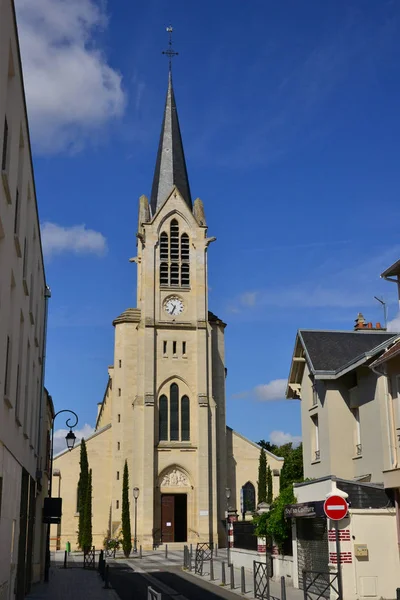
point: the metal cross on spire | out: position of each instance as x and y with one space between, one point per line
170 52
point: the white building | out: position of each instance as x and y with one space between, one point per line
349 414
24 417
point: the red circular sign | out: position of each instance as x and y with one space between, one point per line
336 508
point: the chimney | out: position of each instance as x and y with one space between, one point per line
360 322
362 325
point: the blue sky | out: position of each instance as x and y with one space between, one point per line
290 122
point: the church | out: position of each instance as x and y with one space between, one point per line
164 408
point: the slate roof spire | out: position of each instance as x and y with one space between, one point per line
170 167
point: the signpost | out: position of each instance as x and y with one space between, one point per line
336 509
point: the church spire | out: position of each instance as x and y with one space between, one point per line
170 165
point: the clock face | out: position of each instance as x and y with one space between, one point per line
173 306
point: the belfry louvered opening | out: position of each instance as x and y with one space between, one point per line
174 257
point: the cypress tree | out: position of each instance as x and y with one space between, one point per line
87 524
82 490
262 477
269 486
126 520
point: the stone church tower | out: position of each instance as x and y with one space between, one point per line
164 406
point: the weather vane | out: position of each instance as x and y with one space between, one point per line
170 52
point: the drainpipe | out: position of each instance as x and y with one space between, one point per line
47 295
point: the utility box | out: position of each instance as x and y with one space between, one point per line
361 550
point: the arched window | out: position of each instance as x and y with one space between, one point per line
174 412
174 257
163 418
174 416
249 497
185 419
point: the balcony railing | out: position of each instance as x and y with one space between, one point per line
317 455
358 449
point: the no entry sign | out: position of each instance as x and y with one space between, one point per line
336 508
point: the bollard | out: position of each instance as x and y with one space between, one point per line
283 588
106 586
243 581
305 584
216 550
211 570
166 550
190 561
101 557
65 559
140 552
223 574
232 574
185 561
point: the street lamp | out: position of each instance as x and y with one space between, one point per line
136 496
70 440
227 495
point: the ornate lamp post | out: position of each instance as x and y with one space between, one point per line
227 495
70 440
136 496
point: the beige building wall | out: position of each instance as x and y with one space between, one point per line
65 485
345 448
22 302
243 460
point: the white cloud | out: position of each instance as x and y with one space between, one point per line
280 437
351 285
57 239
265 392
71 89
394 324
59 437
248 298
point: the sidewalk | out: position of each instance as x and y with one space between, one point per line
73 582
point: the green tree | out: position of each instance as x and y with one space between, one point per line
262 477
82 490
126 520
269 486
87 539
292 470
279 528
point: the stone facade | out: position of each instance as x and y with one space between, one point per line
164 407
24 407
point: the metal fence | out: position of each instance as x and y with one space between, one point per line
89 558
152 594
317 584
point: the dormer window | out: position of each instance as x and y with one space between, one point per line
174 257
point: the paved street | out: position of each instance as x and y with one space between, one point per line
130 578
